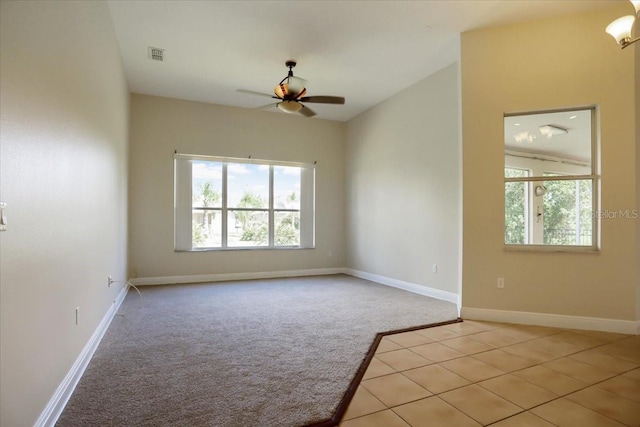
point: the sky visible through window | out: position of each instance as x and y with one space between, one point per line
250 178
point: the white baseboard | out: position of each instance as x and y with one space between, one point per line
200 278
58 401
407 286
553 320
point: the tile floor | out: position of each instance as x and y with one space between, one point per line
481 373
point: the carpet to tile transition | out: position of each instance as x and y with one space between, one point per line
278 352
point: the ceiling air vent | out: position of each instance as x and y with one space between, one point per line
156 54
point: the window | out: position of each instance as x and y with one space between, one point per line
550 179
223 203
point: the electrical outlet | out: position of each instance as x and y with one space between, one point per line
434 268
501 282
109 281
77 315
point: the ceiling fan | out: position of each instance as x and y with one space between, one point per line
290 93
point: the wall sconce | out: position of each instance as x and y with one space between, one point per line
620 29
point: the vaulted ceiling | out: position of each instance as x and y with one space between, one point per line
365 51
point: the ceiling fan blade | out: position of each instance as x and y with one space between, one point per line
323 99
251 92
268 106
306 111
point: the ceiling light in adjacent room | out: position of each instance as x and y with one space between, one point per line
552 130
523 137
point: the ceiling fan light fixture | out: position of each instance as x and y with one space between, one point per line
290 106
620 29
281 90
292 89
296 86
291 93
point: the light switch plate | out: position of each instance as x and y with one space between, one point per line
3 216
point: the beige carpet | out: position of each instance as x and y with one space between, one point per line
278 352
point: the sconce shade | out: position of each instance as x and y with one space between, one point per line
620 29
290 106
636 4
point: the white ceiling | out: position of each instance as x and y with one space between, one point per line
365 51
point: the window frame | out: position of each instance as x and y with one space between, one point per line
530 181
183 204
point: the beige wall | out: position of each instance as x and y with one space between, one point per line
159 126
637 126
555 63
64 114
403 185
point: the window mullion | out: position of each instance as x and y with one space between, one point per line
271 213
224 205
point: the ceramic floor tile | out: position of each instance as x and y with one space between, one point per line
487 324
548 379
466 345
377 368
583 341
475 373
380 419
408 339
555 347
529 350
363 403
436 352
518 391
565 413
539 331
524 419
580 371
524 332
437 334
480 404
471 369
608 404
433 411
395 389
595 357
496 338
387 345
502 360
635 374
628 349
467 327
401 360
435 378
626 387
605 336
